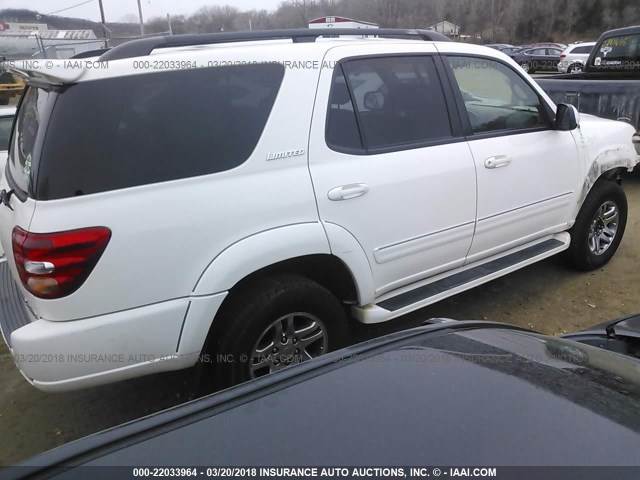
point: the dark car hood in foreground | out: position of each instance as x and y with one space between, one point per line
465 393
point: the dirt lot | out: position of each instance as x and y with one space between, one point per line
545 297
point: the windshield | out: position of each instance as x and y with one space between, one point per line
30 117
618 53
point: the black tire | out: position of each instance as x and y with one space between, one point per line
249 312
580 254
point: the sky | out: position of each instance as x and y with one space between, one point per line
116 10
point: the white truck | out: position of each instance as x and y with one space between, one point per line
239 224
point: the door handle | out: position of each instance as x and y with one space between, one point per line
497 162
346 192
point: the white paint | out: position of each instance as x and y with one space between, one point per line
178 247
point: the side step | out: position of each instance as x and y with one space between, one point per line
464 278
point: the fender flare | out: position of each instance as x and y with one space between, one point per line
261 250
269 247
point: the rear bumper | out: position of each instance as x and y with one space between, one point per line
62 356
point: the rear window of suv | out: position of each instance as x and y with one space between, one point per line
116 133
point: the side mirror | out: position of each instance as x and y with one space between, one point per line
567 117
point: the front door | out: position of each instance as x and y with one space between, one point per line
527 171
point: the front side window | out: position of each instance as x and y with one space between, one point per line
398 101
496 98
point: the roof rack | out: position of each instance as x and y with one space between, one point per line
91 53
144 46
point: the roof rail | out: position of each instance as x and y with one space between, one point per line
144 46
91 53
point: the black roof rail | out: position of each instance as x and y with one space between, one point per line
91 53
144 46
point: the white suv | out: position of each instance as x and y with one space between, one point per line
232 199
574 57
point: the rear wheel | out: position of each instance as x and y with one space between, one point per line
526 66
599 227
575 68
272 324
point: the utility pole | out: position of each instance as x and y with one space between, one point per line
104 27
169 22
141 20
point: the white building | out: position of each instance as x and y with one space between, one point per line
340 22
446 28
9 27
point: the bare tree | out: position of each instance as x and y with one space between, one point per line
304 9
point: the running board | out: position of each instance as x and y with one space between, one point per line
460 280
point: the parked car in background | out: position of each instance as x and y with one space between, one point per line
164 243
510 51
486 388
10 86
560 46
7 114
499 46
574 57
538 59
609 85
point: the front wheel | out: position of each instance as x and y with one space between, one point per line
272 324
599 227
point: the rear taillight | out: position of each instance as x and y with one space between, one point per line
52 265
563 56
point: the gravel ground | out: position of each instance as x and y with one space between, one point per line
546 297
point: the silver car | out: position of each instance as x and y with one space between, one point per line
574 57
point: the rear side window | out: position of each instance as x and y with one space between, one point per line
618 53
583 49
122 132
398 102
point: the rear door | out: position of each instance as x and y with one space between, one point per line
390 166
553 58
527 171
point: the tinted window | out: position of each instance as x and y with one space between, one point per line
618 53
553 51
121 132
496 97
5 131
342 126
30 118
584 49
399 100
537 51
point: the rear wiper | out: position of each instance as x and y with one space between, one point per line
5 197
